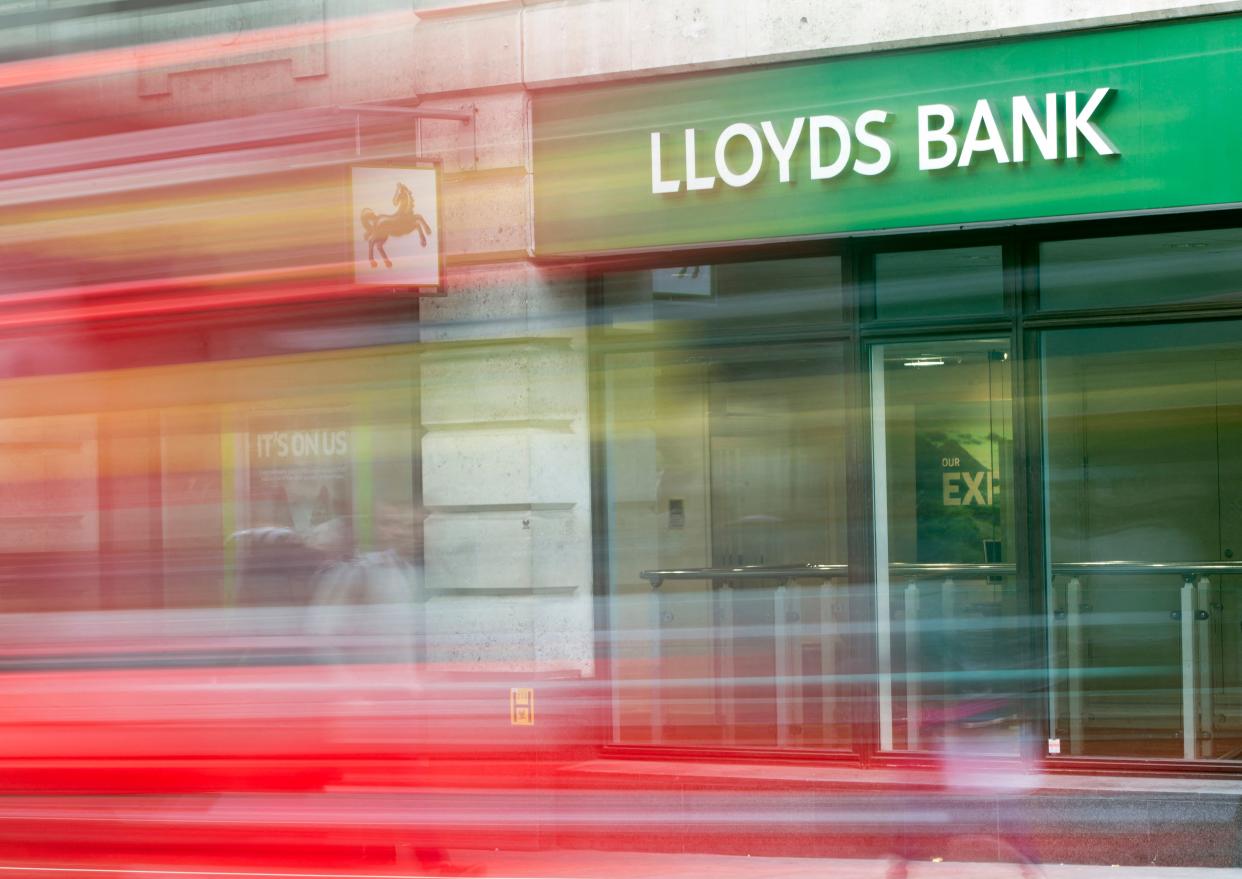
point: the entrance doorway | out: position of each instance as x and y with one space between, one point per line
947 599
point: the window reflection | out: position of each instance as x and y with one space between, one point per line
1135 270
939 283
1144 432
728 298
197 485
729 456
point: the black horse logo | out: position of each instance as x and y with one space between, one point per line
378 227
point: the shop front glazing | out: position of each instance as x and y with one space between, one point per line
910 493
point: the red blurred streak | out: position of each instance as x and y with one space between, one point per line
118 150
178 294
128 871
218 164
177 53
214 161
170 295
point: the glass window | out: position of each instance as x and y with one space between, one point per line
1141 269
788 291
948 602
726 466
1144 483
939 283
200 485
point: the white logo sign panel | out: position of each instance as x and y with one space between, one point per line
396 227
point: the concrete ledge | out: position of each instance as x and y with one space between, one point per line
562 42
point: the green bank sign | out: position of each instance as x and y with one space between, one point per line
1118 120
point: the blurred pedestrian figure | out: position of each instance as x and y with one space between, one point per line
275 567
368 606
368 609
972 731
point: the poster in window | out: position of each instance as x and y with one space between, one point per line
301 468
960 492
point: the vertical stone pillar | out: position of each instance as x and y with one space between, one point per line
506 470
505 449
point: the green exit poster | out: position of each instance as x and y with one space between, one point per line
960 492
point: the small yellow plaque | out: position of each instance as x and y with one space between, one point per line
522 706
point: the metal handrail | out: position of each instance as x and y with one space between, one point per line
793 572
1124 567
991 569
745 572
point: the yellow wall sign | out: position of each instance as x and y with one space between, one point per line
522 706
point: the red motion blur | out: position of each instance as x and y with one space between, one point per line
294 764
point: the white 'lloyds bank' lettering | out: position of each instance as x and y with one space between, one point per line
824 147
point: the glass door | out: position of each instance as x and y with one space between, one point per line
947 603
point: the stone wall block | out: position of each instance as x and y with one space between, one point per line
372 63
239 34
507 550
568 41
558 382
561 557
680 34
561 632
479 302
504 467
476 468
487 550
560 467
505 301
496 138
483 213
480 385
500 383
807 26
476 49
484 629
